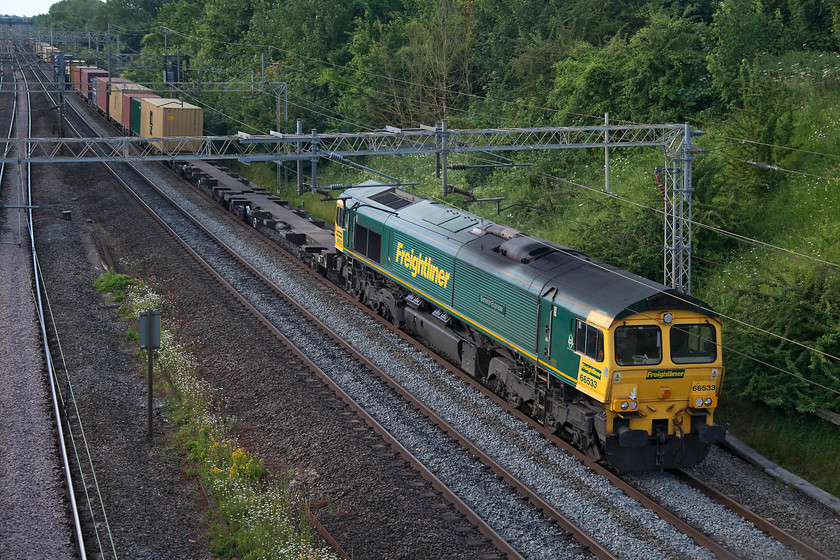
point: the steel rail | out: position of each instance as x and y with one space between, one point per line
695 534
550 511
700 538
238 297
485 529
35 69
8 146
760 523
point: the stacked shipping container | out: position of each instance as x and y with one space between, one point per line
137 108
168 118
115 103
103 91
131 110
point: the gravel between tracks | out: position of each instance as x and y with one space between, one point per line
785 507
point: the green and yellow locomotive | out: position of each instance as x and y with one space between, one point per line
626 368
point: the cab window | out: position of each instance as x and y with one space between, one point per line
693 344
638 345
589 341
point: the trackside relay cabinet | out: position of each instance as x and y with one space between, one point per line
149 340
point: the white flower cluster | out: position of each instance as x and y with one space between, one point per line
264 514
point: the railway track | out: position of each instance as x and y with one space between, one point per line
30 486
709 542
495 467
86 508
220 260
123 174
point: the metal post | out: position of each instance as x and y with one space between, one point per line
150 350
314 182
606 153
443 157
685 211
678 214
279 145
61 107
108 93
299 150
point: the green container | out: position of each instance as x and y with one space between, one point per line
135 115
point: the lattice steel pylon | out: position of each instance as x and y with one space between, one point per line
678 211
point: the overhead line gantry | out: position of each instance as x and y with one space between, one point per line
674 139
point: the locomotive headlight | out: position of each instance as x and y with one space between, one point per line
625 405
698 402
633 405
667 318
708 401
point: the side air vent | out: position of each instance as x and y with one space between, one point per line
525 249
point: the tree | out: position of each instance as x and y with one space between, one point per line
742 31
71 14
627 237
128 18
414 69
588 82
439 59
665 78
802 311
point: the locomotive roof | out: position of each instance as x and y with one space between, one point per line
581 283
439 218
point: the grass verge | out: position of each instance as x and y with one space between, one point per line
803 444
257 519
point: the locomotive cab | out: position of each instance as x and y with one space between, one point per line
666 374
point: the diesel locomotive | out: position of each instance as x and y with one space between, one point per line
625 368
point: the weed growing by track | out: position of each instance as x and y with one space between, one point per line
116 284
261 519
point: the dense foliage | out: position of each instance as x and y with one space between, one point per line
759 76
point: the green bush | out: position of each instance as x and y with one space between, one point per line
113 283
